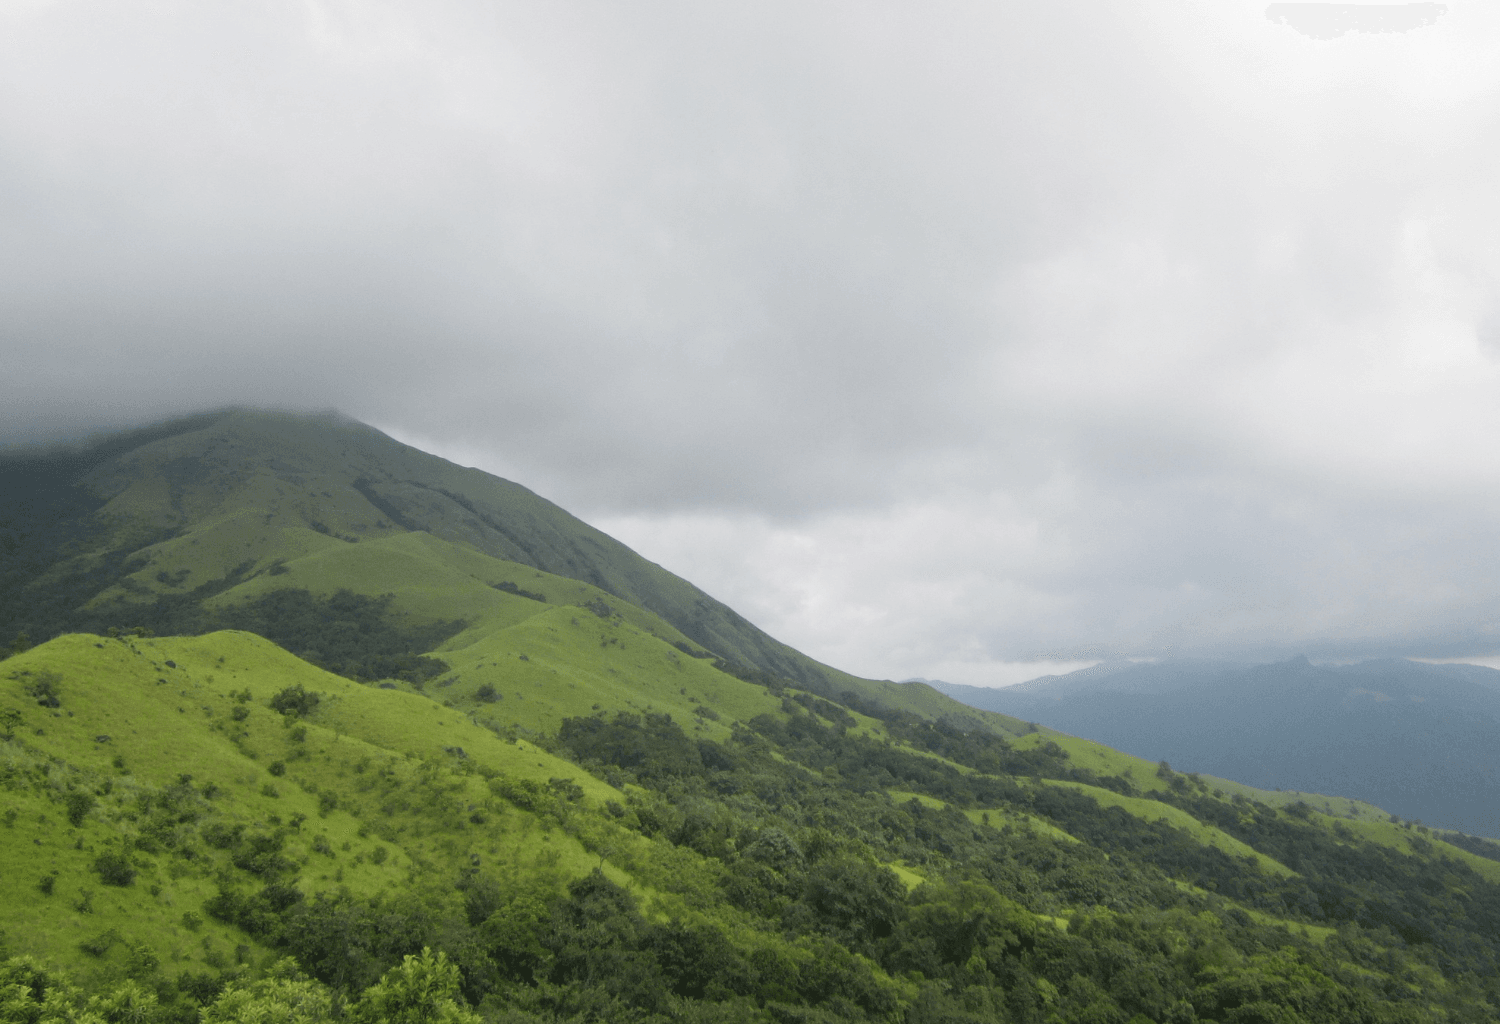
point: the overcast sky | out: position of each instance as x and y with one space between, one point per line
959 340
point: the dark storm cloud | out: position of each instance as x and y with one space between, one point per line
932 339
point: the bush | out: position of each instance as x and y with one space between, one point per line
296 700
99 944
114 869
44 688
78 803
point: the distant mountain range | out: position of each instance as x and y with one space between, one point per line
1420 740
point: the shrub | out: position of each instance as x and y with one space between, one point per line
99 944
114 869
487 694
44 688
78 803
277 768
296 700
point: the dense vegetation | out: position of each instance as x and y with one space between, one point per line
816 863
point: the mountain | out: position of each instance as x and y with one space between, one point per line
1419 740
412 744
210 511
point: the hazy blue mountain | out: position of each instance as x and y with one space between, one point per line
1422 741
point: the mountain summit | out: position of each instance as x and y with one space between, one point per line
145 527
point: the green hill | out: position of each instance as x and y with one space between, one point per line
355 741
142 528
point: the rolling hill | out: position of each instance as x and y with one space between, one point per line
1416 739
319 727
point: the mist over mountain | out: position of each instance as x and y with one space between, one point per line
1417 739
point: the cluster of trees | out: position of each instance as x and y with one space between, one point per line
351 634
422 989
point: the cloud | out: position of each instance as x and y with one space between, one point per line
964 336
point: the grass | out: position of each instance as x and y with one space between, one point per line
130 723
1104 760
1409 840
1153 810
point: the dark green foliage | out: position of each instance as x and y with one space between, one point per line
200 988
44 687
486 693
295 700
78 803
347 633
653 747
114 869
598 607
348 942
1486 848
260 853
511 588
99 944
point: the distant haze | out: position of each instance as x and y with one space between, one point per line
965 341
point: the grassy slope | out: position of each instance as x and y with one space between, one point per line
244 488
163 722
1407 840
1151 810
1102 760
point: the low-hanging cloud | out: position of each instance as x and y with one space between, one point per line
934 340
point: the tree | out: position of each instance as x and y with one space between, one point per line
424 989
284 996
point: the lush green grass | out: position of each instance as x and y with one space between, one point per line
1143 774
568 662
1411 839
130 723
389 791
1152 810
